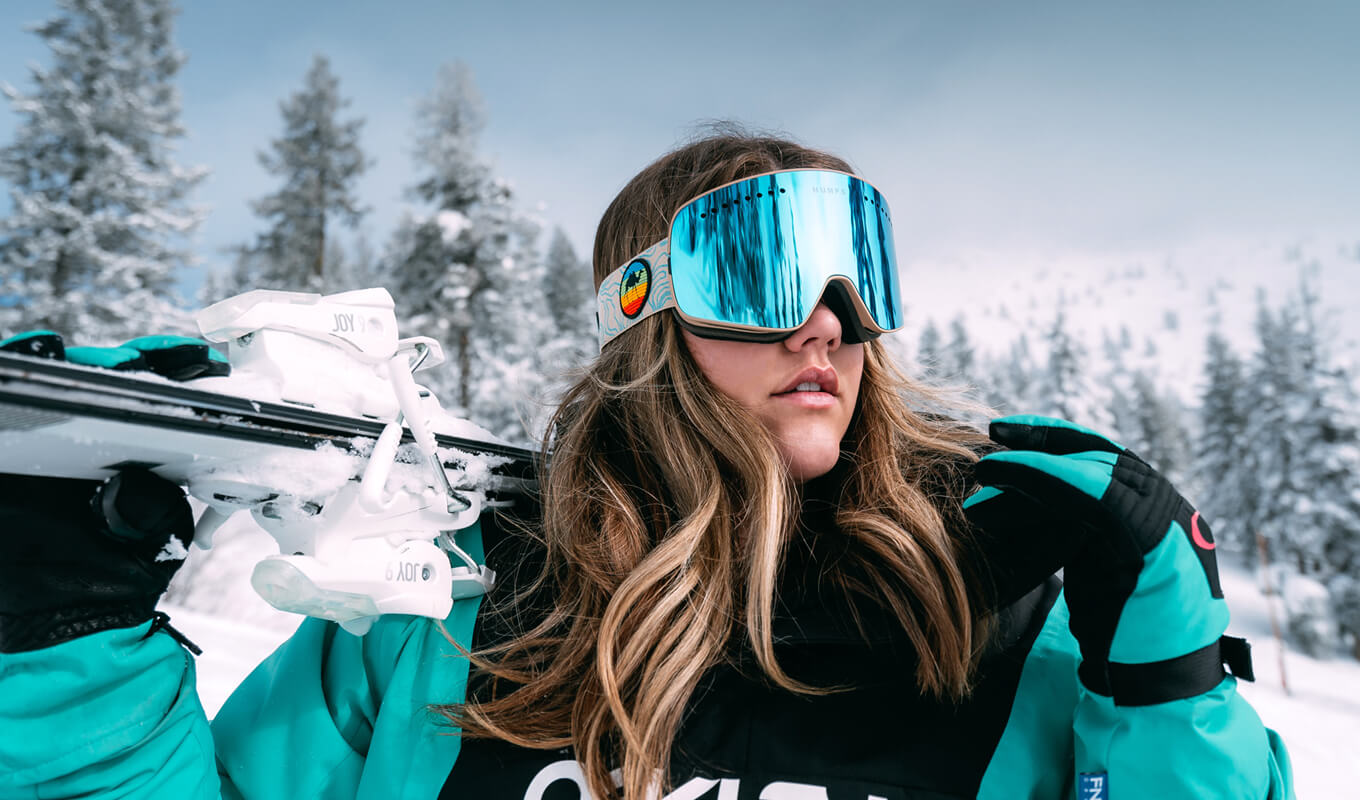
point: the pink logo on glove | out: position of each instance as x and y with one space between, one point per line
1200 542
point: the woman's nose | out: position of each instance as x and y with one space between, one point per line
822 327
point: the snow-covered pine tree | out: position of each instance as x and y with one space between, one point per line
1143 417
960 358
431 290
414 268
1063 387
1008 381
567 288
100 211
468 273
567 284
930 352
1328 467
216 286
319 160
1306 449
500 354
1118 379
449 124
355 268
1344 590
1272 413
1226 487
1159 436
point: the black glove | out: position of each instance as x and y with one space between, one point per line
179 358
78 556
1141 578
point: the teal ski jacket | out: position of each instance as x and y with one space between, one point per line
331 715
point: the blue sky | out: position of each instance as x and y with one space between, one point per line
999 127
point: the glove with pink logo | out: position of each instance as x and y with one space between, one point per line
1140 576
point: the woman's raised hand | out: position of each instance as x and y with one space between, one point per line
80 556
1140 576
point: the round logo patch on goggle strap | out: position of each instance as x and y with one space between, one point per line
634 288
612 309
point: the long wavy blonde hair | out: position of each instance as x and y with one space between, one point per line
666 512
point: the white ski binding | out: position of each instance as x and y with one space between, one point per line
360 551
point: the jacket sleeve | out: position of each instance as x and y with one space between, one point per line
1064 741
116 714
1212 745
364 729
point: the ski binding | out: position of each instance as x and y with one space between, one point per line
363 550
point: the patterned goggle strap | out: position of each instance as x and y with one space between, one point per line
635 291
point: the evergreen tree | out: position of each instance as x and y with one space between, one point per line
1344 589
1306 451
99 204
319 161
1306 442
1063 388
1118 378
449 123
467 273
1159 434
216 286
1008 382
1328 438
567 289
357 268
501 346
1272 414
567 285
1143 418
415 263
1228 493
930 351
959 357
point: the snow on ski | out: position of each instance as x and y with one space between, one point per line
67 420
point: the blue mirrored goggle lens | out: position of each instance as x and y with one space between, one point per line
759 253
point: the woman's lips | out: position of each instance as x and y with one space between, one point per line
825 378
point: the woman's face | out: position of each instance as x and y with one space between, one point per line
807 423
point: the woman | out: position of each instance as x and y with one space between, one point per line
758 572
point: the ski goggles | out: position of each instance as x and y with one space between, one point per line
751 260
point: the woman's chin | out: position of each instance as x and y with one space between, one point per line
807 463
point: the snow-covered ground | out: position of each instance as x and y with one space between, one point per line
1320 716
231 649
1319 719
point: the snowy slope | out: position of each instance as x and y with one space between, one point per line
1172 299
1320 717
1320 720
231 649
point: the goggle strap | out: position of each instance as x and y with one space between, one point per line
648 291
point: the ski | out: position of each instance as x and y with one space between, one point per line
65 420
